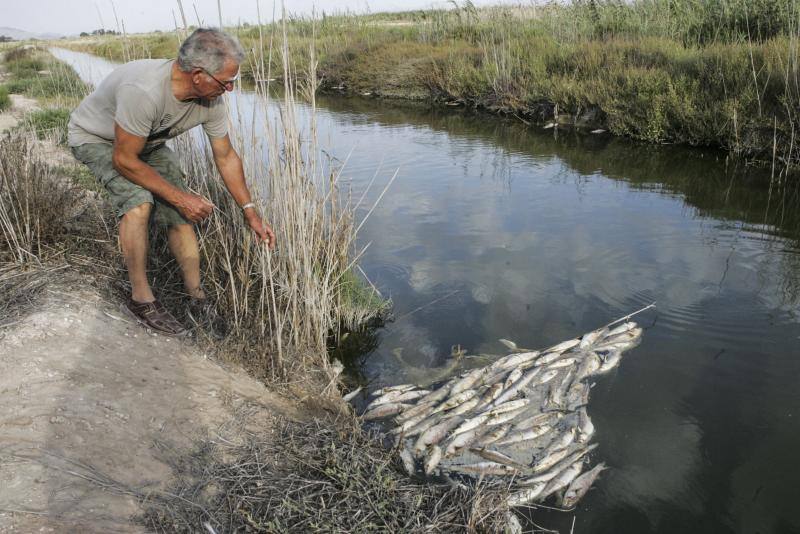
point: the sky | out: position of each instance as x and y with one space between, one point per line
70 17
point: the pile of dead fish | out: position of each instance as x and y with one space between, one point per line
523 417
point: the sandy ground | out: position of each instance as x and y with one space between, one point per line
20 104
85 392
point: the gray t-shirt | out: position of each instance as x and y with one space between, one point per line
138 96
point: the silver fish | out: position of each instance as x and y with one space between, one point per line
512 392
565 345
398 396
452 402
468 381
513 376
612 360
562 441
389 389
526 435
350 396
408 461
538 420
563 479
492 392
563 362
485 468
436 433
578 395
525 496
469 424
424 425
407 425
505 417
436 395
590 364
459 441
549 460
559 466
496 456
513 360
585 426
465 407
493 435
510 345
421 408
548 358
507 407
621 329
558 391
434 457
547 376
591 338
385 410
578 488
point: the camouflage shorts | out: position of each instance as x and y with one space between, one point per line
126 195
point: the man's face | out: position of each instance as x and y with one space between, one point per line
210 85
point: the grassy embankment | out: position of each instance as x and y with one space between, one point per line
281 309
719 73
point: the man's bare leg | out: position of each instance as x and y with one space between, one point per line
183 244
134 243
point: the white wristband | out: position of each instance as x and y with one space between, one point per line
249 205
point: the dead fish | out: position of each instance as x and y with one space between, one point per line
585 426
578 488
563 362
496 456
578 395
424 425
546 418
485 468
408 461
433 460
352 395
466 407
421 408
398 396
591 338
611 361
514 360
489 396
549 460
389 389
510 345
493 435
590 364
559 466
507 407
558 391
460 441
504 417
562 441
525 496
621 329
436 433
526 435
452 402
563 479
469 424
512 392
436 395
565 345
407 425
468 381
385 410
547 376
513 376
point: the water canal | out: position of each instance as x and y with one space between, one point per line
494 229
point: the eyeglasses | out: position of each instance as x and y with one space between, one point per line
226 85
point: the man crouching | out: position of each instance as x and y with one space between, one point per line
119 131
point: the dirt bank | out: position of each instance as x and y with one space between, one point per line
86 394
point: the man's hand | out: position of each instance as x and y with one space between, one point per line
261 229
194 207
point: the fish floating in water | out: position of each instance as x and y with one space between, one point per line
523 416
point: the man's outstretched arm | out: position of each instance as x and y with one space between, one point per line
230 167
127 148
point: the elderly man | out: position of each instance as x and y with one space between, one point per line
119 131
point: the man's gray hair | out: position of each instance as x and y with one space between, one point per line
209 48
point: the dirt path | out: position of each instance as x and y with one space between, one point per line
20 105
84 392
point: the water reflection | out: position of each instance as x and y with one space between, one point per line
494 229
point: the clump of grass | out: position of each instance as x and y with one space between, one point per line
37 74
48 123
5 101
314 477
34 202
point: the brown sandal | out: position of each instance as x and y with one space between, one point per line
155 316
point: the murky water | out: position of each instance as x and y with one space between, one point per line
493 229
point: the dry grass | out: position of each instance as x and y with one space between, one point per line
313 476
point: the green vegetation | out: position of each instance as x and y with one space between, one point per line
717 73
5 101
37 74
50 122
